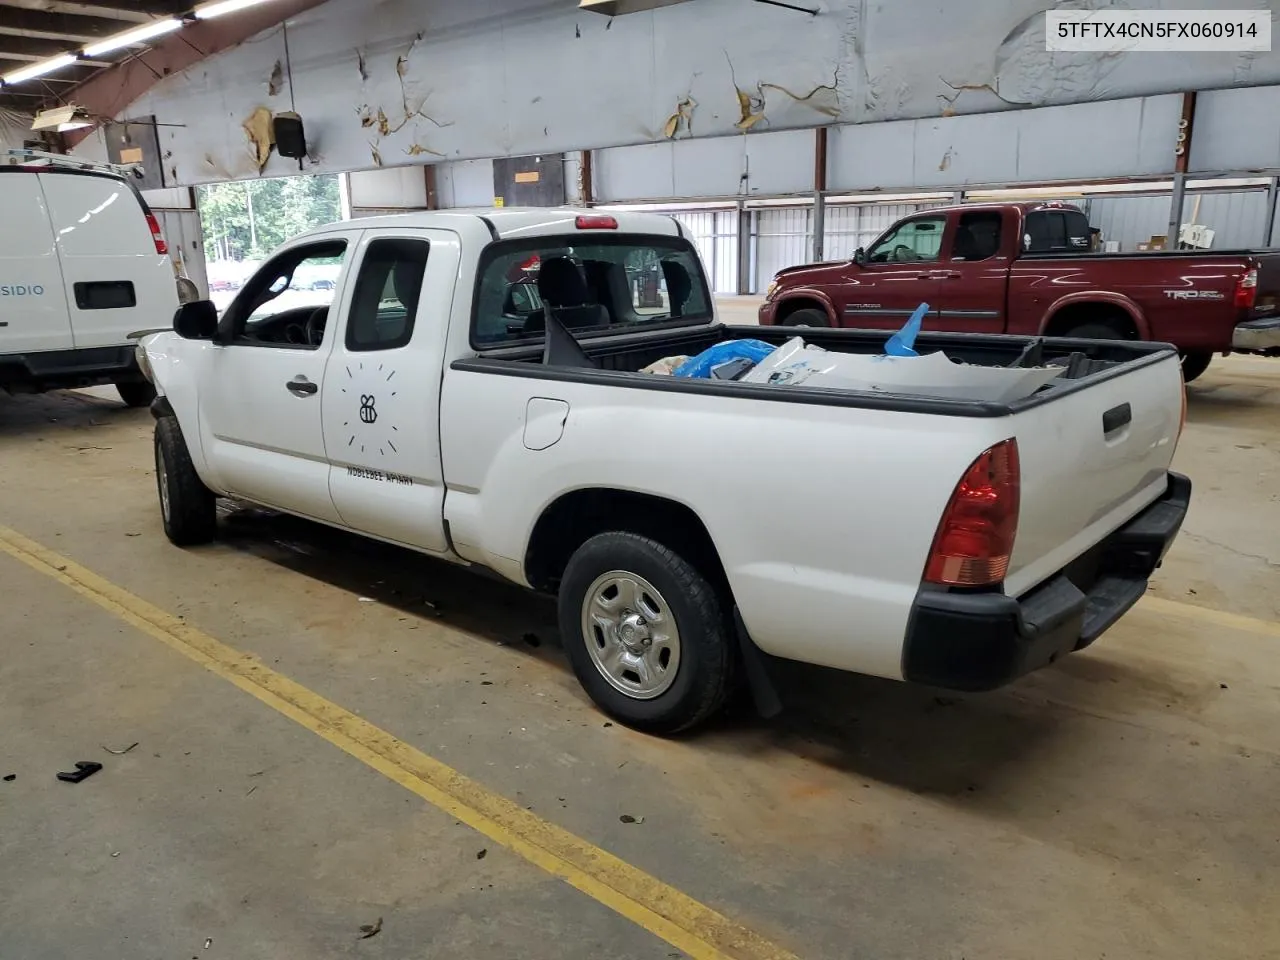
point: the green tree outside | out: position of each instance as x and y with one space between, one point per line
249 219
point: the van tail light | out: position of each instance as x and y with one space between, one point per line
596 223
156 235
1247 290
975 537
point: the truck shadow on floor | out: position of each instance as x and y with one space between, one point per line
921 739
1245 402
28 415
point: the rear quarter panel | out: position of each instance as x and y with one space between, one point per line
822 516
1187 301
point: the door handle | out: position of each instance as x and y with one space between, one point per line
944 275
301 387
1117 417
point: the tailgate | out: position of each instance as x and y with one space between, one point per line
1091 459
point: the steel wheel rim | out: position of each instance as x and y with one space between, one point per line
162 478
631 634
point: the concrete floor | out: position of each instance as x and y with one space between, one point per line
1122 804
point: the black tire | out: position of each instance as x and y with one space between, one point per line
808 317
707 652
1098 330
136 393
1194 364
187 507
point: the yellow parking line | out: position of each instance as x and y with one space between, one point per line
677 918
1222 618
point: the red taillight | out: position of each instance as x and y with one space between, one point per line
975 537
1247 290
596 223
156 235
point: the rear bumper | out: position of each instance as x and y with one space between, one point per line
980 641
1257 335
55 369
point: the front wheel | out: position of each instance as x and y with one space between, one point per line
808 317
648 636
187 507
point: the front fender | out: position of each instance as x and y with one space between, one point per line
172 364
807 294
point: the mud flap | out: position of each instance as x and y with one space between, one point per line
755 663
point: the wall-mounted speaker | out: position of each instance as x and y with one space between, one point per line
291 140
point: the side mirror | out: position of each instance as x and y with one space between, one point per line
196 321
860 256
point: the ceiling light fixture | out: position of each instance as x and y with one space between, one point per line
38 69
210 10
130 37
62 119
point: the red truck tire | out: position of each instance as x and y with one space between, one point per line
806 317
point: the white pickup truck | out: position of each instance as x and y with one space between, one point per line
474 389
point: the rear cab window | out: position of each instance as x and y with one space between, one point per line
1056 231
591 284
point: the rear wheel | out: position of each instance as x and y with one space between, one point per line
808 317
136 393
187 507
648 636
1098 330
1195 363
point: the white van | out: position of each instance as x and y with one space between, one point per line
82 265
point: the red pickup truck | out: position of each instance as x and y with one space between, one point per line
1028 268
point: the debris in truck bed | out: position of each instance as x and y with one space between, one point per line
665 366
932 375
723 352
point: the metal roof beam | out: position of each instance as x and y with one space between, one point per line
16 22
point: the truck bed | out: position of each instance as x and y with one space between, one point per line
631 352
1095 448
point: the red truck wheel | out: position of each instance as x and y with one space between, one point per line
1194 364
807 317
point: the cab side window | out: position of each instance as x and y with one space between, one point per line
388 289
977 236
286 303
910 242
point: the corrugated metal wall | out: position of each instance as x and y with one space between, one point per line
784 235
1237 217
715 234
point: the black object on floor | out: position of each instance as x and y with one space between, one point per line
10 778
84 768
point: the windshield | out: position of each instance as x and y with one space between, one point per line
600 284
